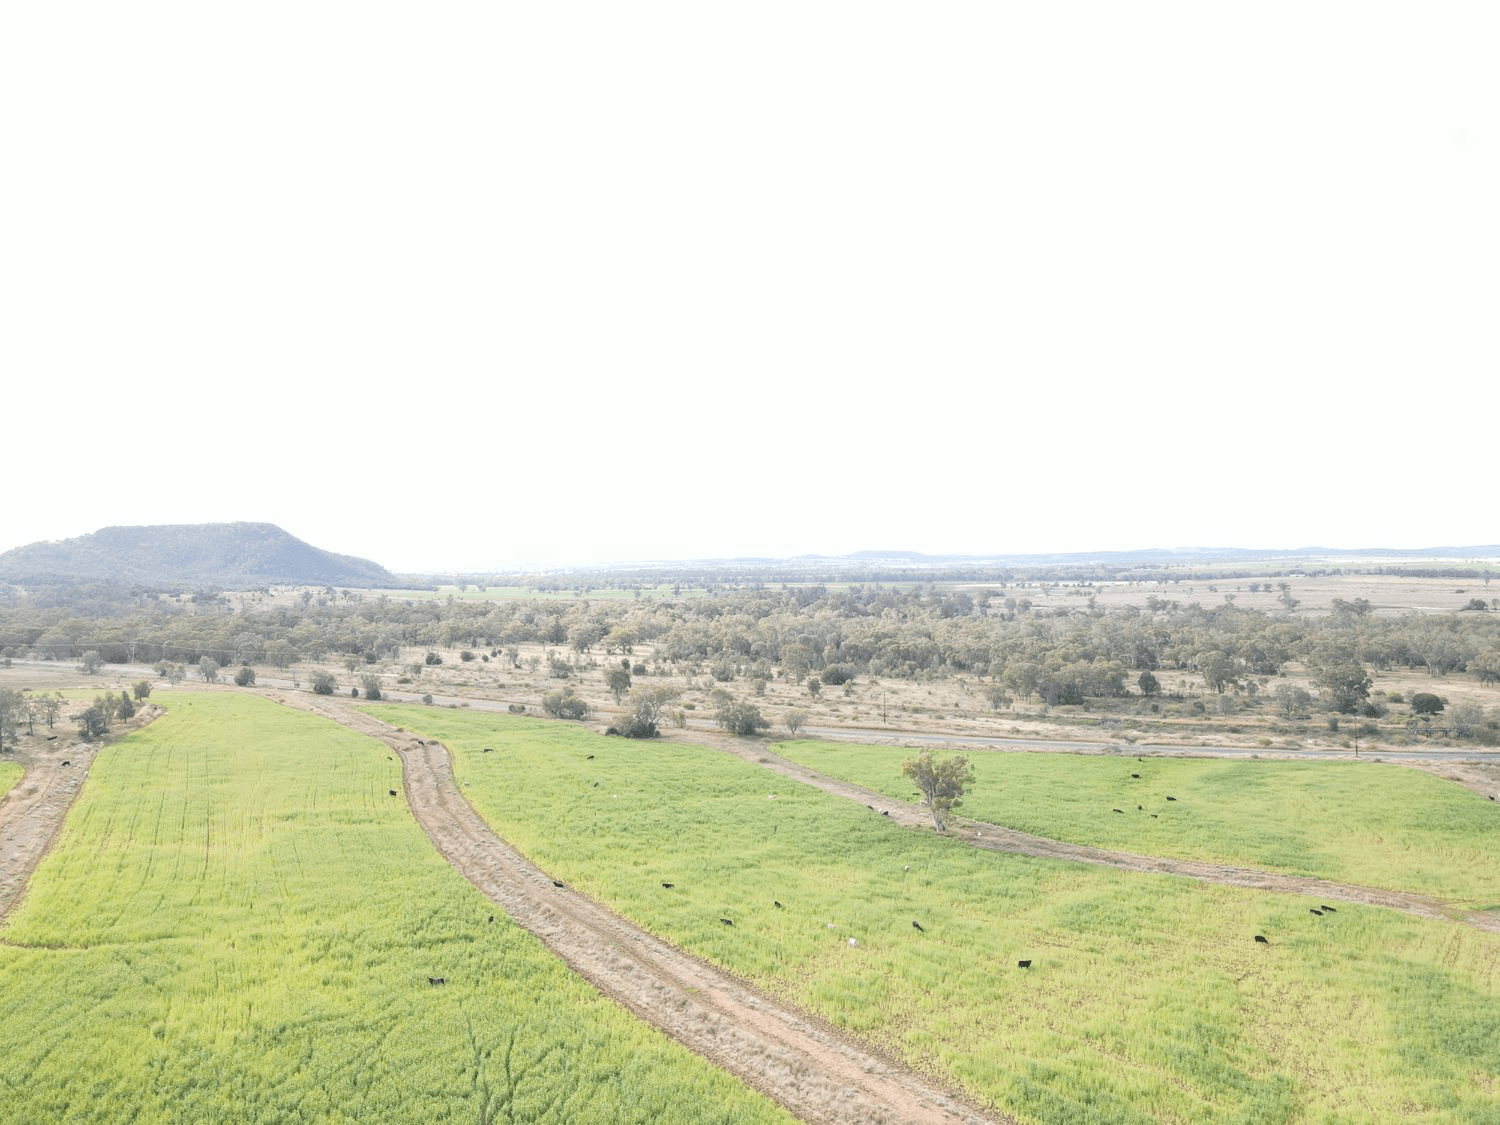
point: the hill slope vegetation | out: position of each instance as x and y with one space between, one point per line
219 555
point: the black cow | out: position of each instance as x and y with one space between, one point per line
917 926
1262 939
1026 964
437 980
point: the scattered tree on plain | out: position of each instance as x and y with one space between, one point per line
794 720
1345 686
740 717
565 704
942 783
617 680
1292 701
648 707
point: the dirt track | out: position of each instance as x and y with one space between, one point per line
994 837
801 1063
32 813
807 1066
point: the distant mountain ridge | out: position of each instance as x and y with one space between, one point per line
223 556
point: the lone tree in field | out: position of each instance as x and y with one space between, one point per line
942 783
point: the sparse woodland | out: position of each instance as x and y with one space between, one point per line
1248 658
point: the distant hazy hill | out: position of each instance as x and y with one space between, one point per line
224 556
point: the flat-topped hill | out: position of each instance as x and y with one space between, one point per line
224 556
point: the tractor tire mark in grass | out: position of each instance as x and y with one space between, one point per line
816 1073
995 837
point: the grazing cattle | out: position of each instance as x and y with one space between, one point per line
1171 798
1026 964
555 883
488 750
668 886
1136 776
1117 810
590 758
53 738
1262 939
885 812
596 785
1326 909
776 904
392 792
726 921
870 807
492 919
1319 913
853 942
917 926
66 762
1140 808
437 980
1153 816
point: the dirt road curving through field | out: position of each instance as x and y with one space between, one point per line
805 1065
995 837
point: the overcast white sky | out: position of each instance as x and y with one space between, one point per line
478 285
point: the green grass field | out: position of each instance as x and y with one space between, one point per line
1147 1001
10 773
1354 822
237 925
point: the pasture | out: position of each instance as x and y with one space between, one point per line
239 923
1147 999
10 773
1370 823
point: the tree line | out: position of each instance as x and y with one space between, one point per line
814 635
